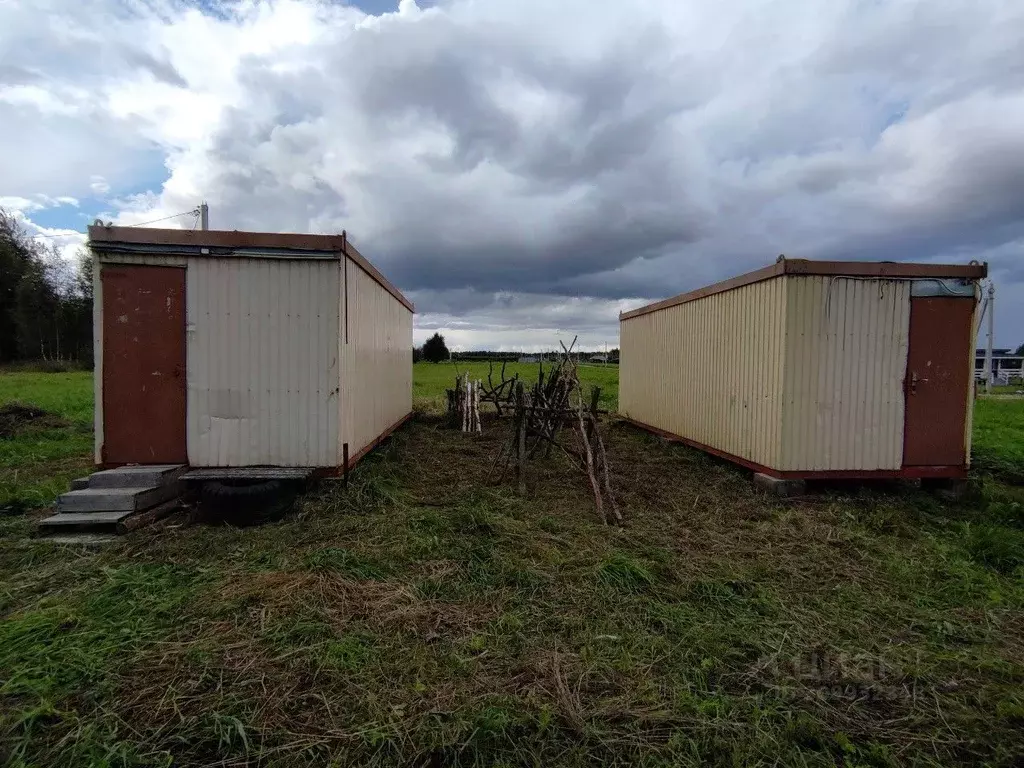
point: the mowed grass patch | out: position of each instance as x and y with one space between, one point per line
424 617
42 456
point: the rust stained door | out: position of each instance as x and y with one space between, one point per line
143 365
937 383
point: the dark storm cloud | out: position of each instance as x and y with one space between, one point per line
499 166
579 154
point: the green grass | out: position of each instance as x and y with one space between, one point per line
39 463
998 440
69 394
423 617
430 380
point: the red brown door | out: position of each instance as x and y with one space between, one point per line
143 365
937 384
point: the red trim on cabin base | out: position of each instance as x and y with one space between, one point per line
339 470
380 439
951 472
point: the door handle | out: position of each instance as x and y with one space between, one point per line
914 380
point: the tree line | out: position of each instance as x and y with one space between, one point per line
435 350
45 300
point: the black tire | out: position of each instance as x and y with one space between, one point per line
247 503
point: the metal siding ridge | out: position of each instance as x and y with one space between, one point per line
855 372
841 453
877 386
764 391
808 410
829 400
222 338
269 353
314 422
753 309
291 371
244 283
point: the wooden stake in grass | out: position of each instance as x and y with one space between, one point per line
464 404
476 405
588 455
520 438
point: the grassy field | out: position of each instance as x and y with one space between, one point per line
424 618
430 380
39 461
999 437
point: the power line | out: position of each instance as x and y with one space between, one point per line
193 212
68 233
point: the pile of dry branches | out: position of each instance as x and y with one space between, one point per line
464 400
539 417
502 393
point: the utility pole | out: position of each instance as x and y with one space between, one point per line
988 341
204 215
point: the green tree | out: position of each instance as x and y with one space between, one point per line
45 299
434 349
37 313
15 256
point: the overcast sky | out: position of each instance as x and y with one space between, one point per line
524 169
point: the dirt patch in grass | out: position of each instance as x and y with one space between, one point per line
16 418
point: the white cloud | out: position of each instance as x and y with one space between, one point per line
20 204
67 243
558 151
38 202
99 185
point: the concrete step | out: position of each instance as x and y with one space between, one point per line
145 476
93 521
96 500
79 483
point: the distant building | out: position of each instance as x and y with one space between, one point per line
599 358
531 359
1004 364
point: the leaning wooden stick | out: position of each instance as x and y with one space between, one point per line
520 438
607 478
589 457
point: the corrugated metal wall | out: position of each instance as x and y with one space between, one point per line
376 353
846 353
711 370
263 368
